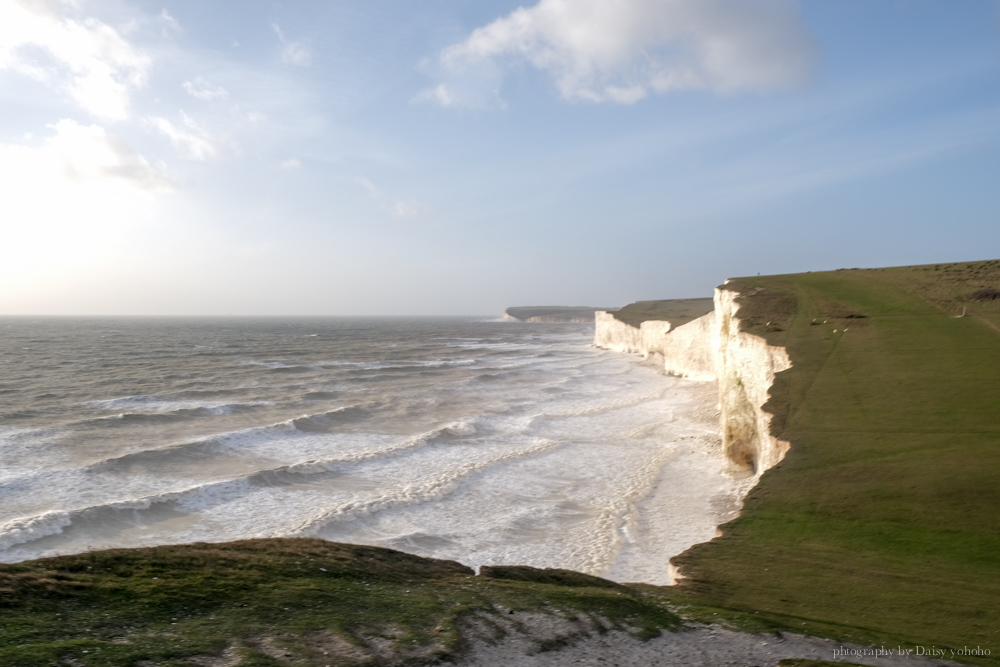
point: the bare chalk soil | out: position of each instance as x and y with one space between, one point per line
540 640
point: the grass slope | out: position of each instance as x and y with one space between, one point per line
261 603
882 524
675 311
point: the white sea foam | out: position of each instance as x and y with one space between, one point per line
467 440
19 531
21 449
268 364
152 405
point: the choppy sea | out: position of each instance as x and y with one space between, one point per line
479 441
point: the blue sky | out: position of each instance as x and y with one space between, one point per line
455 157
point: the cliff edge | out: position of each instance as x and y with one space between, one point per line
708 346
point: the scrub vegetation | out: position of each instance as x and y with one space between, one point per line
882 523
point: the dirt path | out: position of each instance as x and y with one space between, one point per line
536 640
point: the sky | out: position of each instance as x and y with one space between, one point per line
455 157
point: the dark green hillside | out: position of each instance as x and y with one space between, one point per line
882 524
261 603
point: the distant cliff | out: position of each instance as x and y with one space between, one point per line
551 313
702 339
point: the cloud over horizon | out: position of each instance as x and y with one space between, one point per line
621 52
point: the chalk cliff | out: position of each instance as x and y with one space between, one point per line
745 366
713 347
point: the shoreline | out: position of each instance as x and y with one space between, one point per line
709 347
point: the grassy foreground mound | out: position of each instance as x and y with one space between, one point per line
882 523
260 603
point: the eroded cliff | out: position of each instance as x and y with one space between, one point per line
745 365
713 347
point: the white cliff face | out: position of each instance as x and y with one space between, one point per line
713 347
688 350
613 334
745 366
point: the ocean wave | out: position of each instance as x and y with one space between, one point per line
320 395
281 366
273 365
199 497
325 422
392 365
21 531
145 406
483 345
427 490
16 436
21 448
249 441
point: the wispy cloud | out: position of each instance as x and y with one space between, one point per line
203 90
398 208
599 51
193 142
88 154
168 22
293 52
87 59
291 163
368 185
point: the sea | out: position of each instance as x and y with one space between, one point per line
468 439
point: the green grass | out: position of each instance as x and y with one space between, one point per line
882 524
281 601
675 311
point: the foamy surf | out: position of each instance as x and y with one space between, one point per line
484 442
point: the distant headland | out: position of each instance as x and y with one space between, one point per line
551 313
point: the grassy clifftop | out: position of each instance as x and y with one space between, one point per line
882 524
264 603
675 311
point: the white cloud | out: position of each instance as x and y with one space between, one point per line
368 185
203 90
292 52
622 51
405 209
396 207
88 155
193 143
168 21
291 163
67 199
87 59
